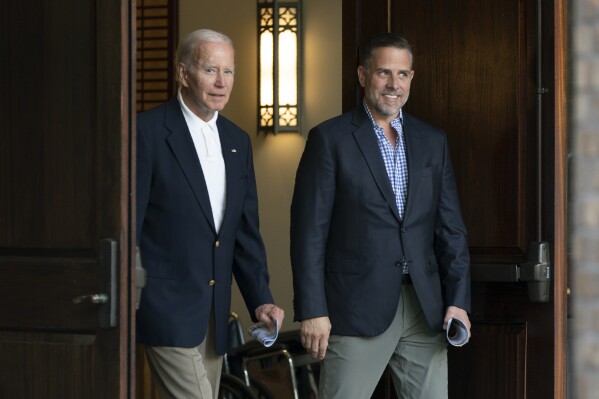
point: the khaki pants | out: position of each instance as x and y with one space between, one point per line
417 358
186 373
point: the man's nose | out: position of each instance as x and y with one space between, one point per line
220 79
394 81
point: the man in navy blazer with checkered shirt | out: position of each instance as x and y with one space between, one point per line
378 246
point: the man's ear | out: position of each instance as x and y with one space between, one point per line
362 75
182 74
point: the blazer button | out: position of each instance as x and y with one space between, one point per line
403 229
217 244
398 264
212 282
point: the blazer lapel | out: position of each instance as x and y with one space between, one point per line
231 154
366 139
413 146
181 144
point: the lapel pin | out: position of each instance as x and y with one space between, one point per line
233 150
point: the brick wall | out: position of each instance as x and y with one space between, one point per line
585 197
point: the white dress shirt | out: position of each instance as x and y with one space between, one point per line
207 144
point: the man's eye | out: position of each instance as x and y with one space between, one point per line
228 72
210 70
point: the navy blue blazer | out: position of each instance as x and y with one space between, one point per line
189 265
348 240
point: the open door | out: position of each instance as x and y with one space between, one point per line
65 199
490 74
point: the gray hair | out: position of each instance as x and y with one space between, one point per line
187 51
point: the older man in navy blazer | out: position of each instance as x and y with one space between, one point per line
379 249
197 224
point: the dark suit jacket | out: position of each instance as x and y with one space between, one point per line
348 240
189 264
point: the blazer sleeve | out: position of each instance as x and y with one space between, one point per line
249 263
144 176
451 241
311 212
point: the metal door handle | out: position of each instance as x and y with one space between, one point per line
93 298
108 261
107 299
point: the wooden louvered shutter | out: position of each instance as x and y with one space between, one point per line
157 35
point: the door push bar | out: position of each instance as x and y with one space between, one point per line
536 272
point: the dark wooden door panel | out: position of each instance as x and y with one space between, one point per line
65 188
41 294
499 353
473 78
52 366
476 77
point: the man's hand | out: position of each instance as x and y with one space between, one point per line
458 313
314 334
267 313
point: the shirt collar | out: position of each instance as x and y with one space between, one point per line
394 122
192 119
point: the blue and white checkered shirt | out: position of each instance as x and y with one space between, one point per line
394 157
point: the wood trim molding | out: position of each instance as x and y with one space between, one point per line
561 203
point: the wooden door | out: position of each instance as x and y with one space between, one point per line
491 74
65 203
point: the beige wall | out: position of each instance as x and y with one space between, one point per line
275 157
585 198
